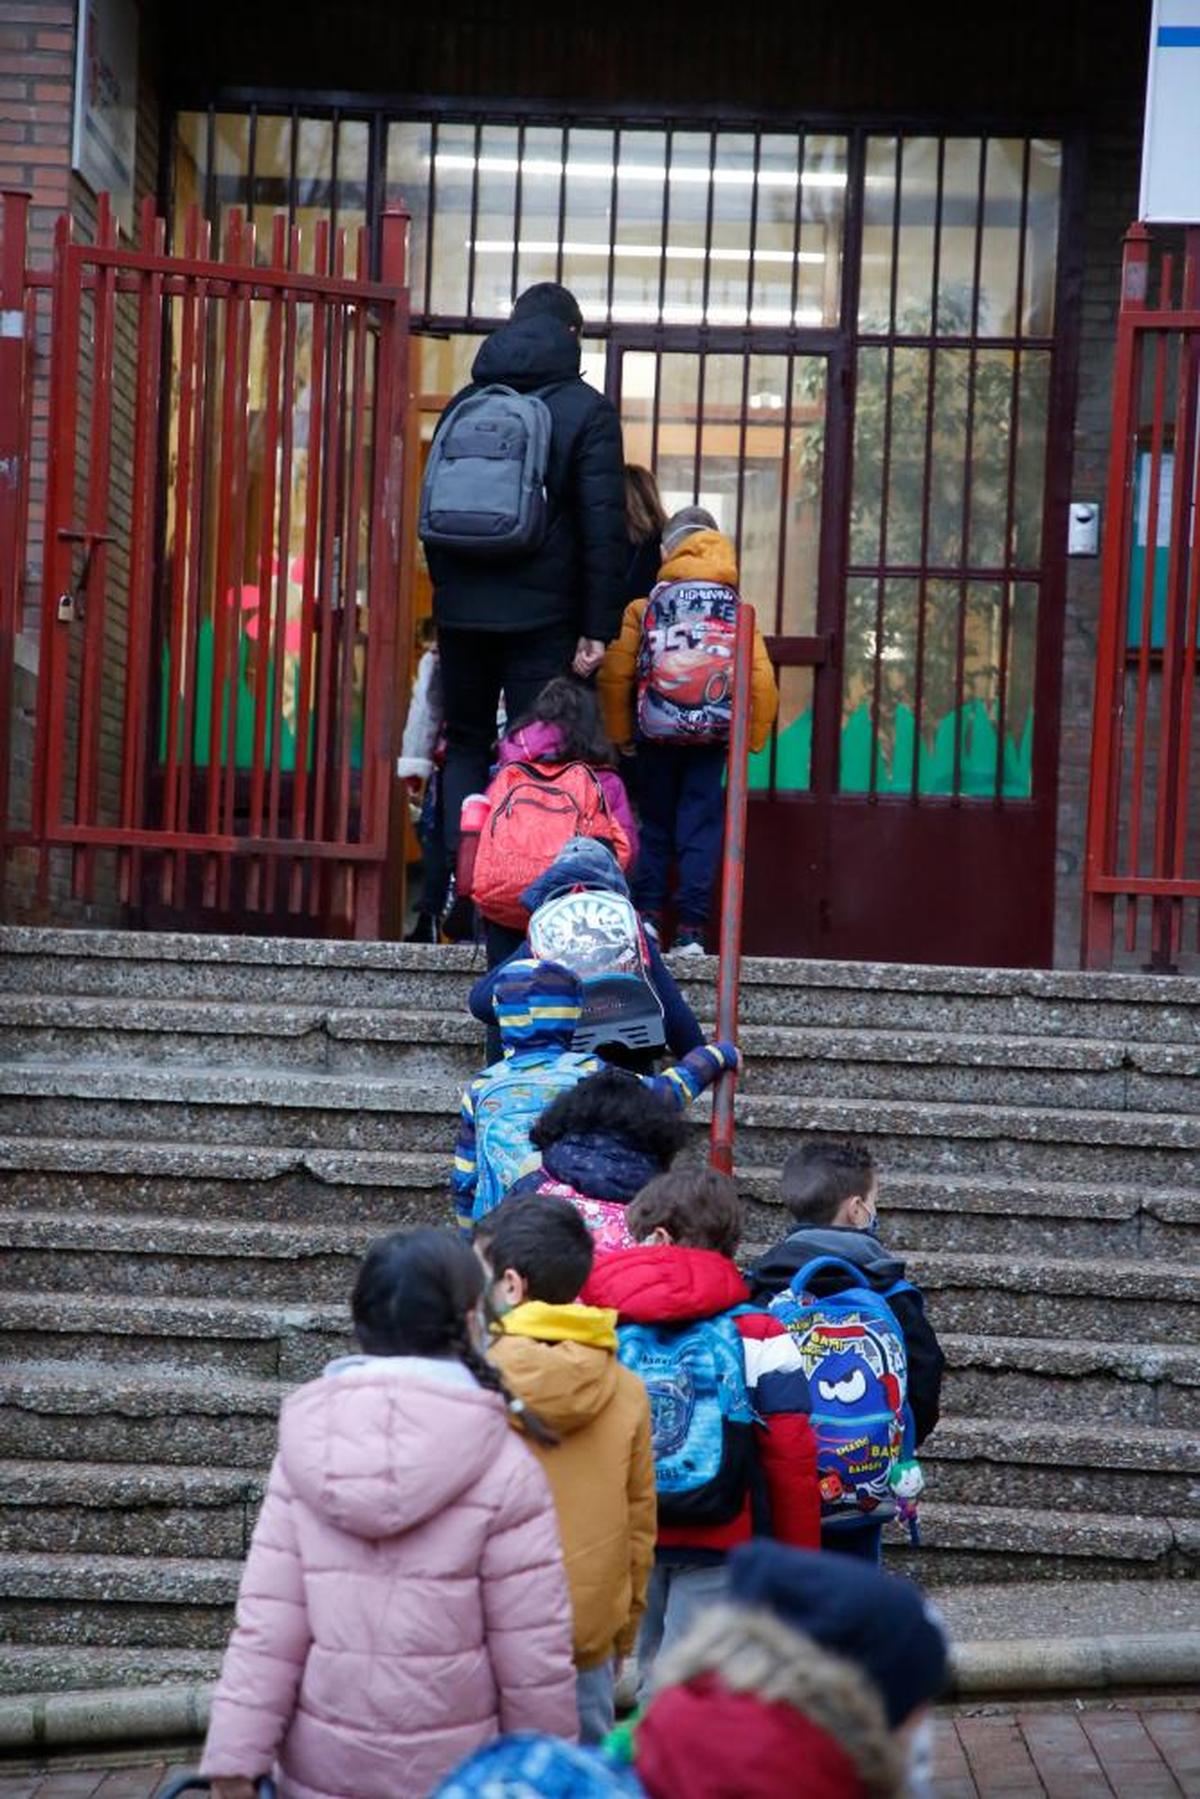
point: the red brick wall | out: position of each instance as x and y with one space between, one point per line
37 76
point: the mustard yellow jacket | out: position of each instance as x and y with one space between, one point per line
704 556
562 1360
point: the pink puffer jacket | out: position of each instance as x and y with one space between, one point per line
403 1601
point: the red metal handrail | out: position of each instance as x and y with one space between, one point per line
733 885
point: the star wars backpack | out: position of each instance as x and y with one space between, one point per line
852 1350
599 936
701 1419
685 662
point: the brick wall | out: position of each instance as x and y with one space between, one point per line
1112 194
37 74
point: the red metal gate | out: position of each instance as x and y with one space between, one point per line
1143 858
219 565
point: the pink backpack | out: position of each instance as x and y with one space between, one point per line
535 808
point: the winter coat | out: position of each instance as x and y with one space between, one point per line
403 1601
747 1708
576 576
539 742
882 1269
562 1361
652 1285
704 556
424 721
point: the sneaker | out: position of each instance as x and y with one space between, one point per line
458 925
654 925
689 941
424 930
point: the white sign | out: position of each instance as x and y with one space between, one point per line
106 95
1171 139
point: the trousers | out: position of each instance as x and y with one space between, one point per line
677 1594
476 667
595 1697
682 803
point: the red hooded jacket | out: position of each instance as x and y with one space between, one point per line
670 1284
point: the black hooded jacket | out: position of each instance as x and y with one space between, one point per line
881 1269
576 576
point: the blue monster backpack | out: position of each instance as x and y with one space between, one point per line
506 1109
701 1418
852 1348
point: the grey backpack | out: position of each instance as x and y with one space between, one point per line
484 492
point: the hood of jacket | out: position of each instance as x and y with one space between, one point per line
581 862
365 1447
881 1268
652 1284
538 1006
744 1700
561 1360
528 353
537 741
704 556
600 1166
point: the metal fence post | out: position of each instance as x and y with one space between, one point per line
14 448
733 884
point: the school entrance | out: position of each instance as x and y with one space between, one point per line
855 348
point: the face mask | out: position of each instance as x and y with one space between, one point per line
918 1781
871 1228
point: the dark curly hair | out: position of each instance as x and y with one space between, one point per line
614 1104
575 712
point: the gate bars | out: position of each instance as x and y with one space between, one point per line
1144 760
220 561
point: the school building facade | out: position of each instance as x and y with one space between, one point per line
852 283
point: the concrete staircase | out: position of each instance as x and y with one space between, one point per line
198 1135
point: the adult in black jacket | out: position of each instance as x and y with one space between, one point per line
510 625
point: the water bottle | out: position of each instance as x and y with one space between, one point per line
472 818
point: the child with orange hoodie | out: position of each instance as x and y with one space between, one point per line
666 686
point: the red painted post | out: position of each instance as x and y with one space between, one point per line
733 882
1109 707
14 219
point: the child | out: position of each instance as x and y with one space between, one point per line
832 1191
683 1314
419 765
563 726
403 1602
538 1006
666 686
561 1358
583 863
604 1139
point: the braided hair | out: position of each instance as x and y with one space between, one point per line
413 1294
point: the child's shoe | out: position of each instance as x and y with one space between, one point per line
689 940
425 929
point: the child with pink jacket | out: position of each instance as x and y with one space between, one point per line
404 1599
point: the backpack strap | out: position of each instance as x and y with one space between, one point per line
800 1280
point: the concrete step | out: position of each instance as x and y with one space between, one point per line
922 1209
25 1668
162 1257
159 1415
304 1110
970 1543
833 995
100 1508
915 1064
988 1376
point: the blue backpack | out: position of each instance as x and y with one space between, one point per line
852 1349
526 1766
507 1107
701 1418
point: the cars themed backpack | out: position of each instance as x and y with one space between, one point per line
701 1419
534 809
852 1349
685 662
506 1108
599 936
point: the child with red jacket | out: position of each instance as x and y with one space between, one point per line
688 1224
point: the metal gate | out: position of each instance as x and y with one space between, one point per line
220 570
1143 859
